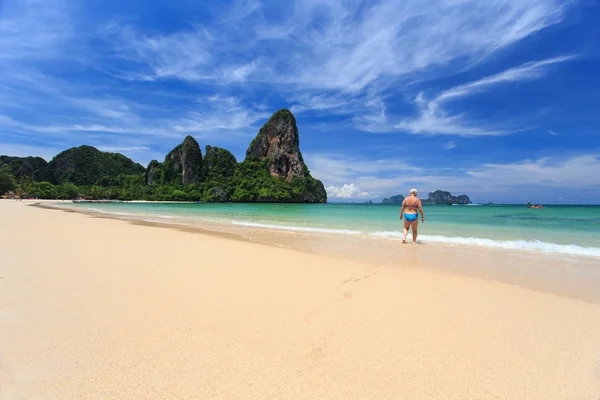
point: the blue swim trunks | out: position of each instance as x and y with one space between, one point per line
411 217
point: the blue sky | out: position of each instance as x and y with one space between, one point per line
499 99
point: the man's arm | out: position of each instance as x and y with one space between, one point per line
402 210
421 211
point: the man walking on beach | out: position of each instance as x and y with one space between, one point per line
412 205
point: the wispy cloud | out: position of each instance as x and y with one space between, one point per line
567 173
450 145
553 133
525 72
335 45
434 120
33 29
125 149
337 169
222 113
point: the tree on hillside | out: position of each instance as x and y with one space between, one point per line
7 182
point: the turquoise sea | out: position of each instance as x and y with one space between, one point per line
569 230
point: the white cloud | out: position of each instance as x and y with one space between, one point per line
338 169
566 174
434 120
182 55
124 149
450 145
347 191
33 29
356 44
222 113
335 45
527 71
553 133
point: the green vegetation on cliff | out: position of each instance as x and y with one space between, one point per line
33 168
86 165
273 171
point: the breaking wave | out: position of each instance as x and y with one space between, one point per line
538 246
109 212
297 228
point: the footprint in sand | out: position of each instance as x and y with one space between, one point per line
310 316
346 296
356 279
316 353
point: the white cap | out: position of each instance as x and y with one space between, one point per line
413 191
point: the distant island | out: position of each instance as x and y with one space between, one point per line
273 171
435 197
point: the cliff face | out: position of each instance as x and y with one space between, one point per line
183 164
277 146
443 197
277 142
153 173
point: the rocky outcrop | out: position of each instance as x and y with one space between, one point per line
218 195
278 143
443 197
397 199
153 173
462 199
277 148
183 164
218 162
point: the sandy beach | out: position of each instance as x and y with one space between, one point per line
97 308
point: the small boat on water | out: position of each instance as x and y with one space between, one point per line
529 205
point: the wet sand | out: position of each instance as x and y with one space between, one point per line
96 308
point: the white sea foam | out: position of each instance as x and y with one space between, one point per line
165 216
296 228
108 212
544 247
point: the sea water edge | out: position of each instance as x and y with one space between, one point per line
560 230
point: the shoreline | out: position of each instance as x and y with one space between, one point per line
589 249
576 277
586 253
92 307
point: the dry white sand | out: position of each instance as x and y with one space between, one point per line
94 308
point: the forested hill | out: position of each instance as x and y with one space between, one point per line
273 171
